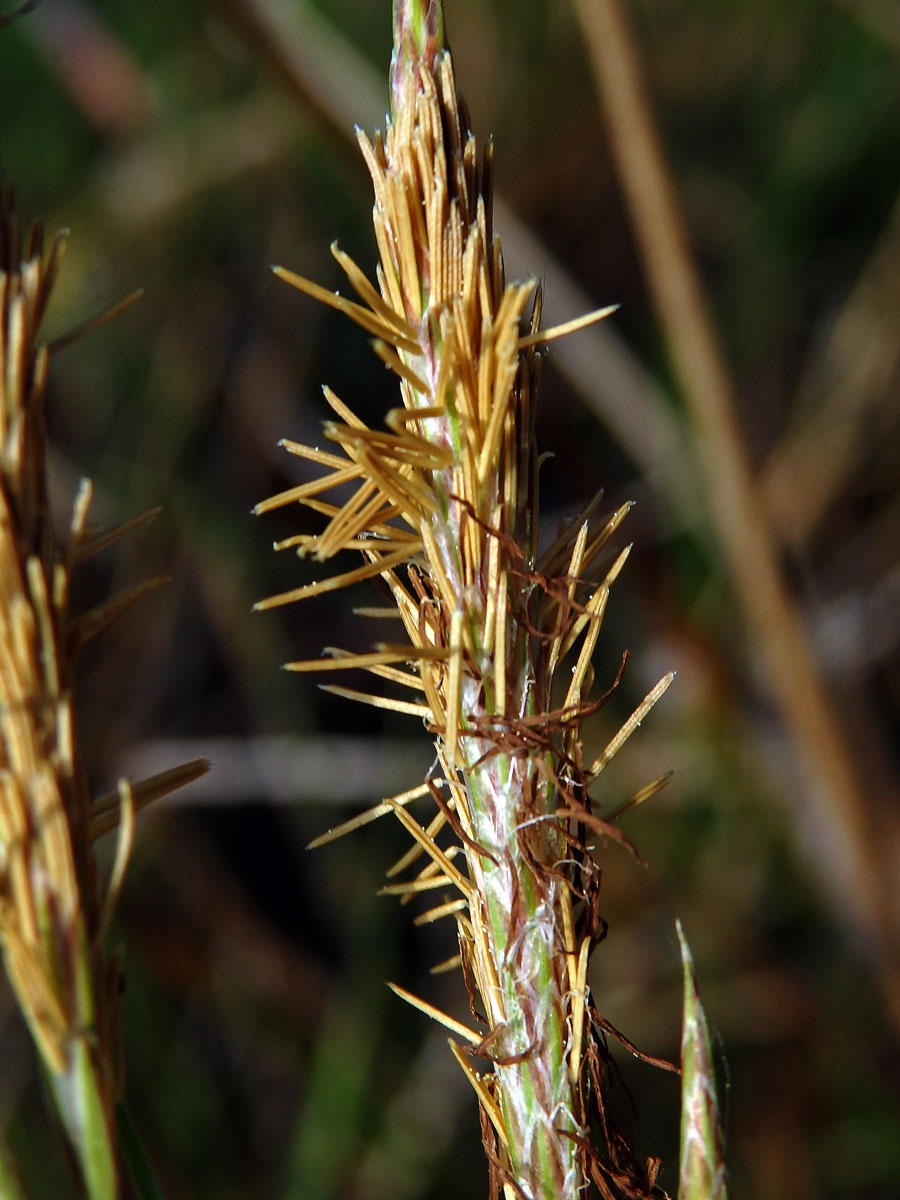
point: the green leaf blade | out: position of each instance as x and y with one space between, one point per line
702 1174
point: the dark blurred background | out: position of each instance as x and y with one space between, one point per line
189 146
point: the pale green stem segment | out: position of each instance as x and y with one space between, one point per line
418 27
418 38
520 906
80 1090
80 1105
701 1164
536 1092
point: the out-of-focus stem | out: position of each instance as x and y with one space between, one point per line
80 1101
734 507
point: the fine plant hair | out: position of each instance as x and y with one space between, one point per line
54 908
500 635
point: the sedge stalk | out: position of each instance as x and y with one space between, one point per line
500 633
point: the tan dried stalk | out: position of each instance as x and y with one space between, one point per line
445 512
53 911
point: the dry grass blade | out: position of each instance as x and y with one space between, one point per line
85 546
86 627
746 541
848 397
442 1018
105 810
372 814
94 323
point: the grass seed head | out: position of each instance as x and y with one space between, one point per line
53 911
445 511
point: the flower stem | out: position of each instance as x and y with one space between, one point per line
446 512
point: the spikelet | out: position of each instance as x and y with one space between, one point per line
444 510
52 909
701 1170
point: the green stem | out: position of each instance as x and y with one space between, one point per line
536 1093
702 1165
78 1096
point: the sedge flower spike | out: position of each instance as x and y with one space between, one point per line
54 910
444 510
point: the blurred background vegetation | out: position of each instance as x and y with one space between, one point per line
188 146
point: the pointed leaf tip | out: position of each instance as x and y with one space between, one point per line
702 1165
